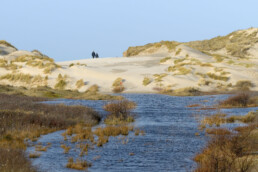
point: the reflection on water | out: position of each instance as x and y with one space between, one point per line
168 145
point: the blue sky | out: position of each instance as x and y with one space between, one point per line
67 30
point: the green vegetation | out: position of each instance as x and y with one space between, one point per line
134 51
158 78
219 58
61 82
178 51
24 78
47 92
236 43
180 70
10 66
38 52
79 83
179 60
146 81
217 77
41 62
32 58
118 85
3 42
183 71
165 59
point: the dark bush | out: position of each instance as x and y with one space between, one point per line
242 100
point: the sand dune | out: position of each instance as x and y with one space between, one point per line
180 67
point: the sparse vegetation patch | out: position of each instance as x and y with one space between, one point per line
146 81
118 85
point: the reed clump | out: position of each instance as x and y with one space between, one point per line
66 148
228 151
120 112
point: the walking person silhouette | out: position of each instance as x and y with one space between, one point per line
93 54
97 55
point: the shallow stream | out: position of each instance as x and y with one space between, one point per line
169 143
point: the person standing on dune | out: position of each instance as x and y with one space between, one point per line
93 54
97 55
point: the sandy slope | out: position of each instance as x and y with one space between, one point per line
133 70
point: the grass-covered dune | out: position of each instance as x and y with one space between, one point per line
221 64
236 44
47 92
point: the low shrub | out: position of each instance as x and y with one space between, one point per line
226 151
239 100
119 112
243 85
118 85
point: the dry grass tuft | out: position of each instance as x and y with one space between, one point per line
61 82
146 81
165 59
34 155
78 164
217 77
66 148
79 83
